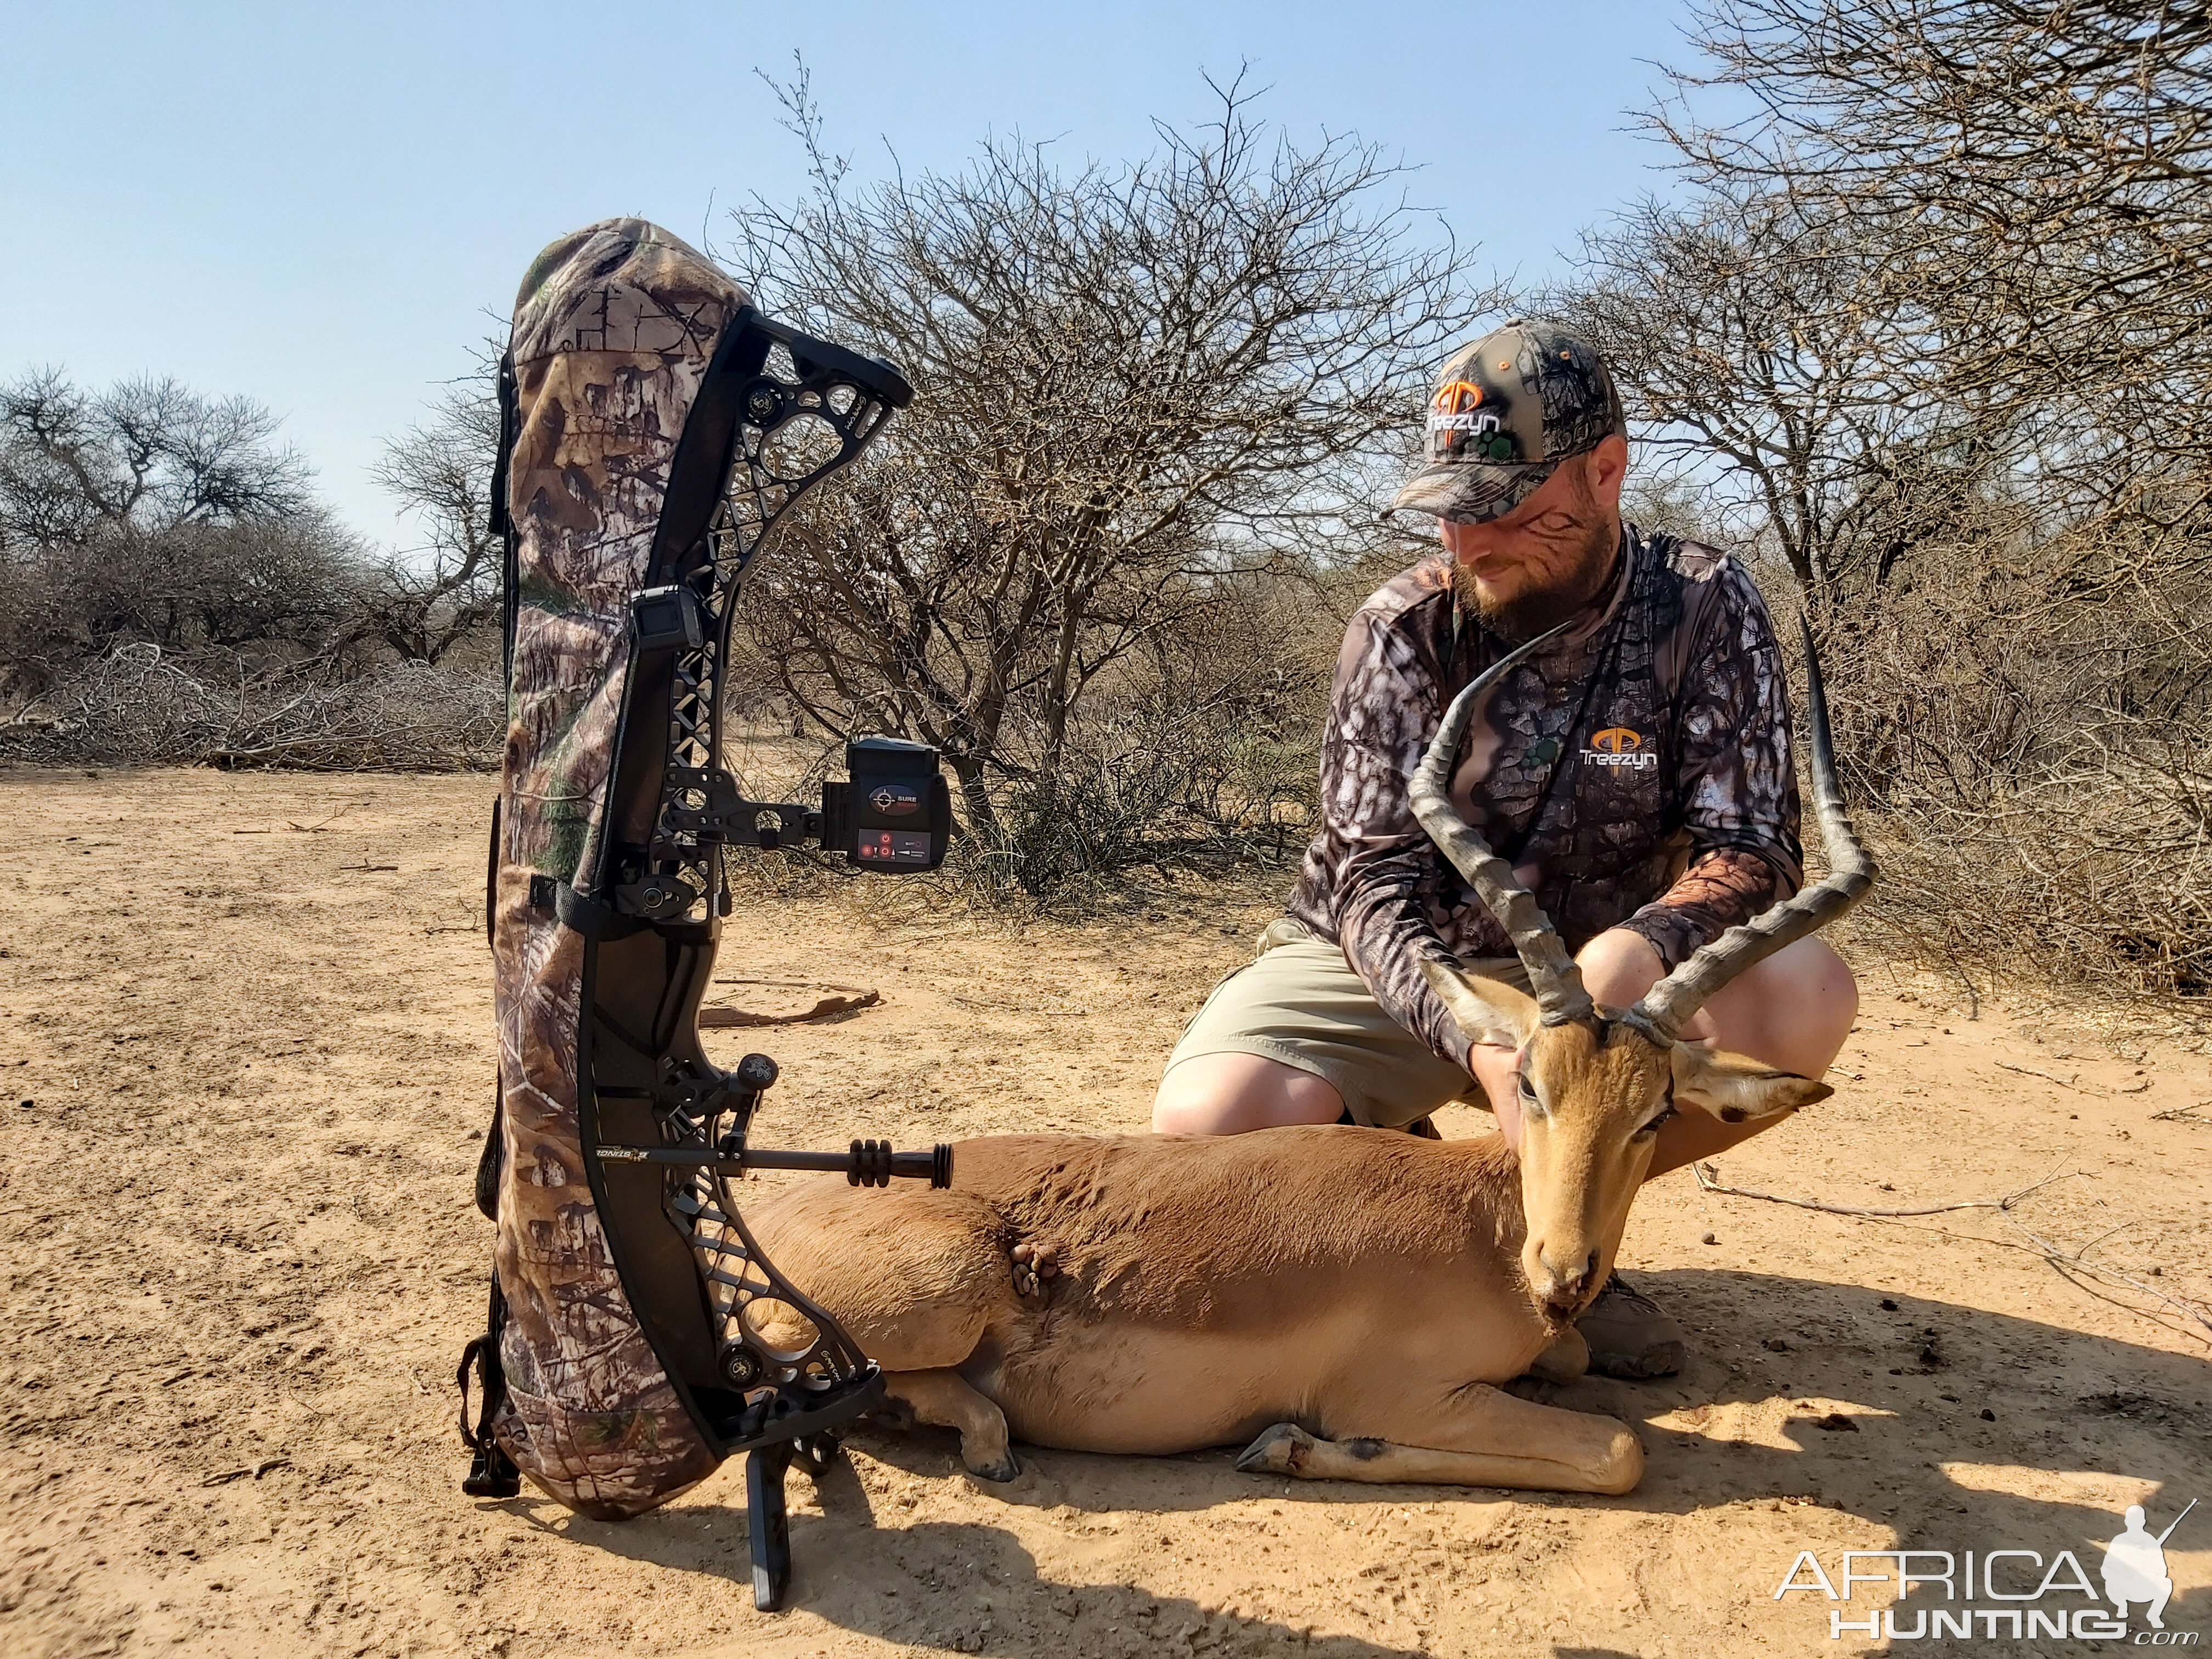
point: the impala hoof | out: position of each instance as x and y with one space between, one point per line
997 1470
1282 1451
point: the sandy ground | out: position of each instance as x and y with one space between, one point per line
241 1261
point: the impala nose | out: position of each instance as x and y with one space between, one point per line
1571 1282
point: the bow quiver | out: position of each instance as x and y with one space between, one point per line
647 419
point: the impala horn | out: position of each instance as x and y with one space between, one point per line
1552 975
1667 1005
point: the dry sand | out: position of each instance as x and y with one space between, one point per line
242 1261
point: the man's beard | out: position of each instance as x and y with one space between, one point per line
1539 610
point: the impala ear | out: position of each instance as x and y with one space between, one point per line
1488 1009
1735 1088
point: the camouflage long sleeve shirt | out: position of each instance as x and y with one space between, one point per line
1637 773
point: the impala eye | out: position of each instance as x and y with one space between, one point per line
1528 1094
1652 1127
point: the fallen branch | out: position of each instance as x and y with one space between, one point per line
2062 1082
133 706
786 984
1707 1177
317 827
712 1018
2063 1259
257 1470
2060 1262
1000 1008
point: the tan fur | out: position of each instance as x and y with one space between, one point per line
1353 1282
1356 1294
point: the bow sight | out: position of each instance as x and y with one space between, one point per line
894 814
616 1390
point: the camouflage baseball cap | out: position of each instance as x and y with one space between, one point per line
1506 412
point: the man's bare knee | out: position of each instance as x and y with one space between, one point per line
1227 1094
1831 999
1794 1010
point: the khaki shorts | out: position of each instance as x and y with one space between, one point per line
1300 1002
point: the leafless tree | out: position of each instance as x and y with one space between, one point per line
2037 174
145 455
1134 383
149 511
1758 378
424 601
1936 325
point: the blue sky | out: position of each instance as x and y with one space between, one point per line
323 206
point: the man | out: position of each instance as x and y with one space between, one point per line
1640 783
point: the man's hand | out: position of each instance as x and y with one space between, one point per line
1618 967
1494 1068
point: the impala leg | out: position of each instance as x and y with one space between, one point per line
947 1399
1476 1436
1567 1358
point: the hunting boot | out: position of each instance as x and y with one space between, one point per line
1629 1336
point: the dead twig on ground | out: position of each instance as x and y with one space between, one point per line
1707 1177
1974 997
2189 1114
789 984
257 1470
2188 1310
854 999
2066 1262
320 824
1000 1008
2025 1070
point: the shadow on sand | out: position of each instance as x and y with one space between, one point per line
1951 1410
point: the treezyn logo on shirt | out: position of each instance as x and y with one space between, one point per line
1619 746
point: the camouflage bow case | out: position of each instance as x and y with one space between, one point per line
641 396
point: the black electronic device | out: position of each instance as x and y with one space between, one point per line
894 814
